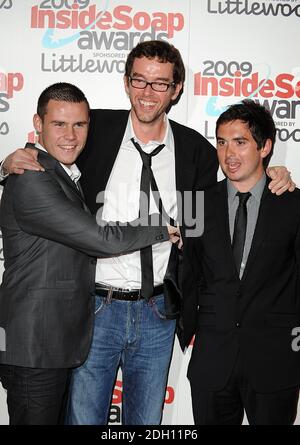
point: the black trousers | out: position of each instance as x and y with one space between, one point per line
35 396
226 407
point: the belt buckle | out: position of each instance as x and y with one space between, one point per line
132 295
109 294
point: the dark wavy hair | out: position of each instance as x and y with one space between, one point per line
259 120
163 51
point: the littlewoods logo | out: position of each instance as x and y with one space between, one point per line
252 8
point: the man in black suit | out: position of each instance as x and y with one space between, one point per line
136 334
49 239
241 284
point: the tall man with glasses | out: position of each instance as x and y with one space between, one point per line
138 334
137 298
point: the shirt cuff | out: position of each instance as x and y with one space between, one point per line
2 174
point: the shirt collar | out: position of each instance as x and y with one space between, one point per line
72 171
151 145
256 191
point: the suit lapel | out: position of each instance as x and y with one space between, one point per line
184 170
222 217
111 139
54 168
69 186
260 231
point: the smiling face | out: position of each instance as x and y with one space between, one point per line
149 106
239 156
63 130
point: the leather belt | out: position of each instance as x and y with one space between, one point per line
124 294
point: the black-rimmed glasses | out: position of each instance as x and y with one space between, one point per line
141 84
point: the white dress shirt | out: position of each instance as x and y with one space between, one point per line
73 171
121 203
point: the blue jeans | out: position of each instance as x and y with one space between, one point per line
137 337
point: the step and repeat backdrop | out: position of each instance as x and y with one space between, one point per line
232 49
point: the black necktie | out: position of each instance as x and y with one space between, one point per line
147 179
240 227
78 186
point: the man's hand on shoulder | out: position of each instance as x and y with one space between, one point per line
281 180
21 160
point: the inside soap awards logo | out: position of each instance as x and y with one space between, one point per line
226 82
10 83
110 32
249 7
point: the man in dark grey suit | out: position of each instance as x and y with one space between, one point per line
49 237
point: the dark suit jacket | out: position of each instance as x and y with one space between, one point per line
253 316
46 297
196 169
